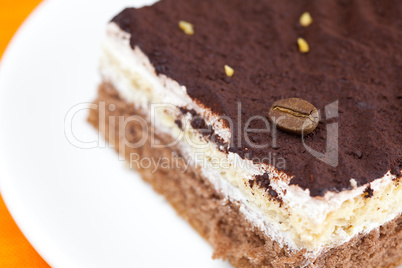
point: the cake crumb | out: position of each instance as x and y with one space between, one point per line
368 192
303 46
186 27
305 19
229 71
353 183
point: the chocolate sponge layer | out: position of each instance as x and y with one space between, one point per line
218 219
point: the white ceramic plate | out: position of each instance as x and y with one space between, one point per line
78 207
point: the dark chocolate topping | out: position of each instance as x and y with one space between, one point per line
355 58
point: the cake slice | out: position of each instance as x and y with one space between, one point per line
274 132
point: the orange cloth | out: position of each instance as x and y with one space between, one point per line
15 250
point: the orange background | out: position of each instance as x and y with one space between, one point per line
15 250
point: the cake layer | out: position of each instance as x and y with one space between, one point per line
218 219
286 213
354 60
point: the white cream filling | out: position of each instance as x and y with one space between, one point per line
129 69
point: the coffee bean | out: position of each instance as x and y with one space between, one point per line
294 115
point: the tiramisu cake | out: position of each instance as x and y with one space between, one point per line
273 127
